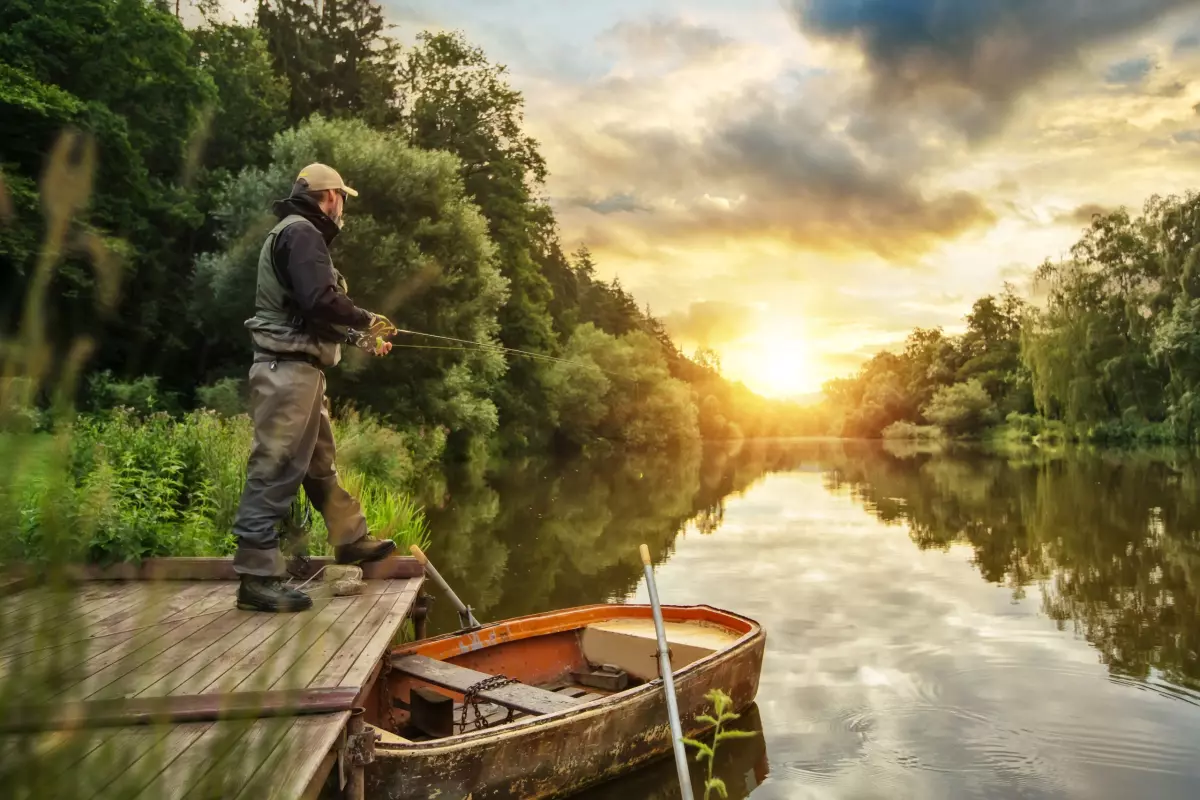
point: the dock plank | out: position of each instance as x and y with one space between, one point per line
196 761
141 620
269 633
168 642
298 766
282 644
333 673
208 658
115 663
377 645
230 773
107 763
298 650
165 662
154 761
306 668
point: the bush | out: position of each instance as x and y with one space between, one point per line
909 431
138 487
227 397
141 395
964 409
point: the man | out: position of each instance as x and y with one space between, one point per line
303 316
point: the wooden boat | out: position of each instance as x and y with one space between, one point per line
546 705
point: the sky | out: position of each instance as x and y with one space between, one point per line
798 183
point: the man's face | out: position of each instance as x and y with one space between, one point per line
339 207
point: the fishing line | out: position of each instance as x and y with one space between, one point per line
495 348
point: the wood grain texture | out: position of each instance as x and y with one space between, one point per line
176 675
528 699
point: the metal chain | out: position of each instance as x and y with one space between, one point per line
471 699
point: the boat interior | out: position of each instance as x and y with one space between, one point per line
469 681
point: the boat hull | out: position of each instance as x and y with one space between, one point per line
558 754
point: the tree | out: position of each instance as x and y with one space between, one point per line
454 99
335 56
252 99
964 409
121 71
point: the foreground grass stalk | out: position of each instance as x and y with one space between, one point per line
721 705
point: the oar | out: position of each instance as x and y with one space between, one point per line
465 617
664 666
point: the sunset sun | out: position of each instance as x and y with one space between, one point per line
776 362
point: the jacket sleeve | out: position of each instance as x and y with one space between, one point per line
313 280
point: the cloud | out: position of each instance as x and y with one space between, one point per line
764 167
1130 72
711 322
660 37
972 59
1187 137
609 204
1083 214
1188 43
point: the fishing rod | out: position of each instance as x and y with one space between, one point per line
363 342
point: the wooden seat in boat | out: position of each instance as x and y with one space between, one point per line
519 696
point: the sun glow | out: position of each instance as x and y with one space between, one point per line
775 362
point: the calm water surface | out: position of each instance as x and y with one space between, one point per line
949 625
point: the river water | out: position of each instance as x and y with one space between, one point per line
954 624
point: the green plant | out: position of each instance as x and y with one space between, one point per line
721 704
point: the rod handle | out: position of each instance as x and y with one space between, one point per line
646 555
417 554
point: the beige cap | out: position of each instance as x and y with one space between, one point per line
319 177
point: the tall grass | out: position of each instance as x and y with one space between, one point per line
138 486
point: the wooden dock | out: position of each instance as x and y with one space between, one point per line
147 682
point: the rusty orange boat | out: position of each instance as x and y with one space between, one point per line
546 705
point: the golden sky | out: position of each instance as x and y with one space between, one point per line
798 183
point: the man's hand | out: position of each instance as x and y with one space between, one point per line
374 340
380 325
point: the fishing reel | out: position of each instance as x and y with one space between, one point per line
375 339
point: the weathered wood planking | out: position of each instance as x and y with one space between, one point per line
130 651
529 699
271 758
168 638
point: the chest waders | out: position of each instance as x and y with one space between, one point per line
293 437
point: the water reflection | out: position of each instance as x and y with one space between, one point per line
940 624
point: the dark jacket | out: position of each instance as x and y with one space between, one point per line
303 264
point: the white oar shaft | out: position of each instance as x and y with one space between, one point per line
664 667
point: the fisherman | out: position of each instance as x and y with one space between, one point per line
302 318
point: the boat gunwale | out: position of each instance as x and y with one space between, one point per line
603 705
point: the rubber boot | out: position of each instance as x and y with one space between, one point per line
269 594
366 549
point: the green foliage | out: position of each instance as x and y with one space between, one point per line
227 397
721 705
142 395
140 487
251 97
619 389
334 58
964 409
907 431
